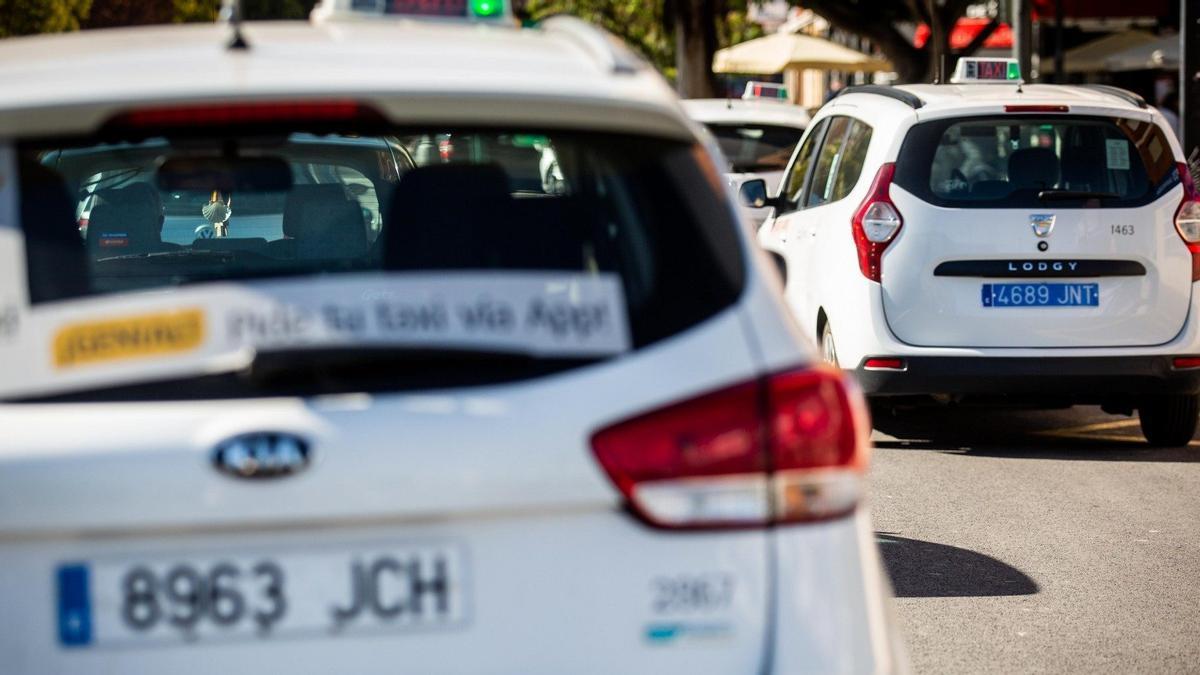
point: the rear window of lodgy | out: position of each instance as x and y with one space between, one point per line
99 220
1016 161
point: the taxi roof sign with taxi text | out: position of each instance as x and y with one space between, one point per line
470 10
986 71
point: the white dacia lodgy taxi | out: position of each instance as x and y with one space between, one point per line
335 381
997 241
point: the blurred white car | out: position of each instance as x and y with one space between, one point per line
757 137
513 425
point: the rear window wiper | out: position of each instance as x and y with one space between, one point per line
1056 195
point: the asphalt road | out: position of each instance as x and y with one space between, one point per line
1039 542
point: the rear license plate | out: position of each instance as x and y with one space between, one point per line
1041 295
243 595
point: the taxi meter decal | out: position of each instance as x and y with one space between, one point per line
130 337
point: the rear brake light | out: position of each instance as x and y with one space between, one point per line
876 223
789 447
1036 109
1187 218
884 364
244 113
1186 362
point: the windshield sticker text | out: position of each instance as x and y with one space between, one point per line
522 314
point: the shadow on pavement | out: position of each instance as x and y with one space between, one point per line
922 569
1023 434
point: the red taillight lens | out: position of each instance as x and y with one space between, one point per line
1186 362
790 447
1187 218
244 113
1036 109
884 363
876 223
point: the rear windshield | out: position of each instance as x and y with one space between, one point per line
111 215
756 147
1029 161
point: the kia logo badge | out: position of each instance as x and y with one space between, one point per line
262 455
1042 223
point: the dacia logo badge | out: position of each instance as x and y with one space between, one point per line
262 455
1042 223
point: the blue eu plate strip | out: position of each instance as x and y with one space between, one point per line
74 606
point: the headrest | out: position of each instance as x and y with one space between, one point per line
129 218
57 266
455 184
1033 168
305 202
448 216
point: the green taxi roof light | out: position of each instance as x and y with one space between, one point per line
486 7
1014 71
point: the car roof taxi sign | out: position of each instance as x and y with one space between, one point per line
771 91
471 10
986 71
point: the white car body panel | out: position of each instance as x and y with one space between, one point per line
916 314
737 111
559 577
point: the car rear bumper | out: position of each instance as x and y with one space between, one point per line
1081 379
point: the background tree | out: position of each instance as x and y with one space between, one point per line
679 37
27 17
880 22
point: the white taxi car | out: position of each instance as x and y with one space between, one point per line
989 239
757 134
402 409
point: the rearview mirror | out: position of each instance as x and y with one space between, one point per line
238 174
753 193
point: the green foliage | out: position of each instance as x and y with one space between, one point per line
187 11
27 17
645 25
638 23
254 10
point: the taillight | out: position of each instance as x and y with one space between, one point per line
876 223
884 363
1187 218
789 447
1186 362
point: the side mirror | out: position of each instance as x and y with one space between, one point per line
753 193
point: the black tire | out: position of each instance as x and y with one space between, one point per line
1169 421
828 347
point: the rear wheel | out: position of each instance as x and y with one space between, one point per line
828 349
1169 420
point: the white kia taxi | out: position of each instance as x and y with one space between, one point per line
989 240
315 392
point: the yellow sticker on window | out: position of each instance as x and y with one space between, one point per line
128 338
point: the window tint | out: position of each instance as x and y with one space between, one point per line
756 147
639 208
820 190
795 182
854 154
1007 162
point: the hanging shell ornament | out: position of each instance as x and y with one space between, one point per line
217 212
